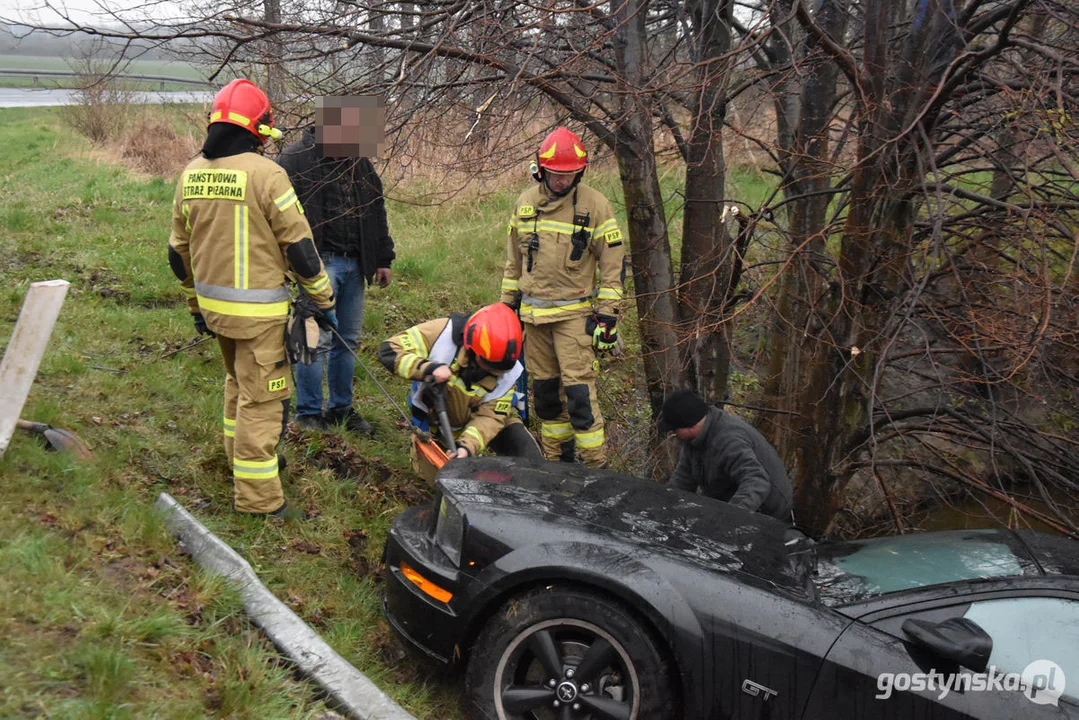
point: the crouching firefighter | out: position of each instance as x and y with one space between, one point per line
476 360
564 270
237 229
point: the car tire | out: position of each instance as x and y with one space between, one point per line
529 653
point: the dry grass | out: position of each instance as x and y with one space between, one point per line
152 146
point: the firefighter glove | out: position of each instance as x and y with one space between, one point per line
200 325
604 331
429 372
302 331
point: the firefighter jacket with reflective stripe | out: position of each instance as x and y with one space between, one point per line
233 220
477 409
556 249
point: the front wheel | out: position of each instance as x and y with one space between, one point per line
565 654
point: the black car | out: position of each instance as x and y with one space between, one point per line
577 593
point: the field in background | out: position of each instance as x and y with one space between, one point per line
134 67
102 616
175 69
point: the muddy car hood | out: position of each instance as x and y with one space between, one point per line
619 508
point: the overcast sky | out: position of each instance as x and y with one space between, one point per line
81 11
31 11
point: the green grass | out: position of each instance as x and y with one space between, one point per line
101 614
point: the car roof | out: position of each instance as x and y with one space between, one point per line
852 571
623 508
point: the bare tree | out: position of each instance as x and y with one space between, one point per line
921 300
615 69
903 191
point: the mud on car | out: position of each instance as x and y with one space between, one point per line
567 592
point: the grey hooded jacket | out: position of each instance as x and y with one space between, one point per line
731 461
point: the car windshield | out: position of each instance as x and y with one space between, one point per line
854 571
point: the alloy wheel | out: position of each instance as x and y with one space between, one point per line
566 669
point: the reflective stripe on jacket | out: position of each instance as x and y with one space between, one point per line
563 282
477 409
232 223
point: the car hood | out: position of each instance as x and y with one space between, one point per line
620 508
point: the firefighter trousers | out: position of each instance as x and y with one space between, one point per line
563 366
257 391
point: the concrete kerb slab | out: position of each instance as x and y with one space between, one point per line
351 690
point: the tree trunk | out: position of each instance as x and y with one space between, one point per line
275 82
805 123
377 55
707 260
650 246
867 297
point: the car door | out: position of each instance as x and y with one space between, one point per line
874 670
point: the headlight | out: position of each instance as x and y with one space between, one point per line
450 530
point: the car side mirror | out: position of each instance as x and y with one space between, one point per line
958 640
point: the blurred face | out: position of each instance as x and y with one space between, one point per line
559 182
350 126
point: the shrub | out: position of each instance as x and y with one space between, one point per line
151 145
101 108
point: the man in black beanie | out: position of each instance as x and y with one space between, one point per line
725 457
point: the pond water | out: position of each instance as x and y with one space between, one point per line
982 512
42 97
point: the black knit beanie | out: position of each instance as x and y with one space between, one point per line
682 409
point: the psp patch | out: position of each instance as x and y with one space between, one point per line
214 185
503 407
595 366
277 384
613 238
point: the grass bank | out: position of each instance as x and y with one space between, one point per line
102 617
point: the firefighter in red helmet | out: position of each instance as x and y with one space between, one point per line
564 271
237 229
242 103
478 358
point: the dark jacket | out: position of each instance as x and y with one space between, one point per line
342 198
731 461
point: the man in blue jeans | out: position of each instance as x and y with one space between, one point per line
341 195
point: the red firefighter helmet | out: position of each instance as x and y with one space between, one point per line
242 103
562 151
493 333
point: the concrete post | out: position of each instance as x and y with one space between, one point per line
25 350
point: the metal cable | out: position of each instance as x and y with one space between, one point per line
371 376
